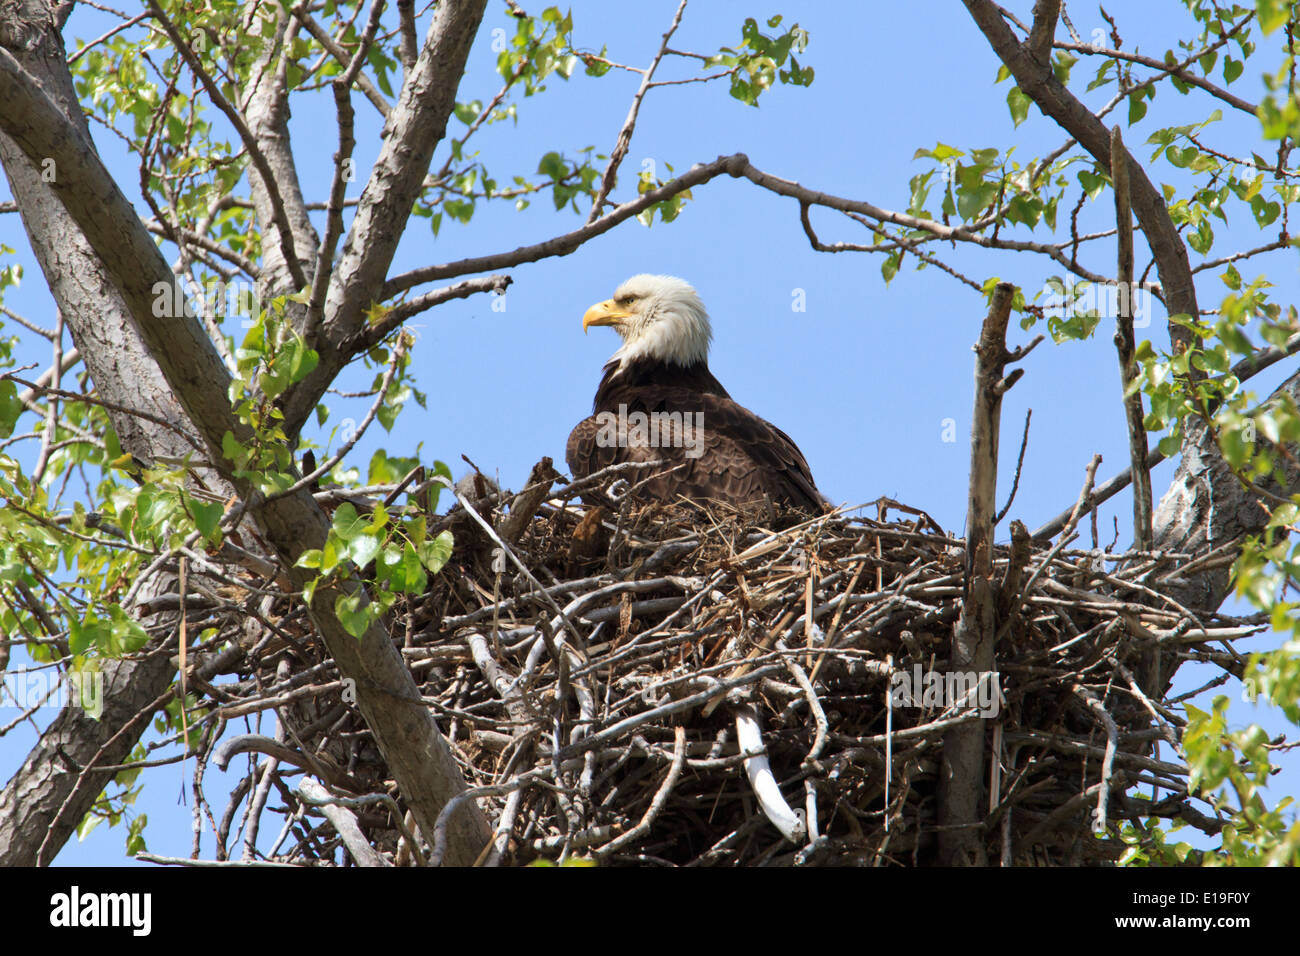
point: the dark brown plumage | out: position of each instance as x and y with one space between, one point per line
718 451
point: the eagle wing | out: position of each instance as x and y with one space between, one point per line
712 449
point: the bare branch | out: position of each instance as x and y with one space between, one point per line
1043 30
1180 71
1126 346
1040 84
411 134
52 407
960 840
334 218
108 35
405 310
562 245
410 43
1020 461
243 263
737 165
625 134
249 140
321 36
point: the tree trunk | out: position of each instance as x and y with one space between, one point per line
43 123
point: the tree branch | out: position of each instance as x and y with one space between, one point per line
737 165
562 245
625 134
334 216
410 43
961 840
411 134
1180 71
321 36
1039 83
399 313
387 697
1041 33
1126 346
277 205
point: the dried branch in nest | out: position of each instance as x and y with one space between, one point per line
653 687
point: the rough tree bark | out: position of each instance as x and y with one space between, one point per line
411 133
125 258
47 798
961 841
1205 506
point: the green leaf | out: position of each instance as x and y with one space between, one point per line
974 200
363 548
435 552
1026 210
1137 107
1102 77
440 468
1061 66
889 268
467 113
1018 103
126 634
404 571
553 166
233 450
1265 212
942 152
1092 182
135 835
83 634
744 91
1169 445
353 614
347 523
1272 14
302 361
10 407
1202 238
207 516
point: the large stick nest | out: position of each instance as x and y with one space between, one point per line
593 667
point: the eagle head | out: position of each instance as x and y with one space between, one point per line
659 318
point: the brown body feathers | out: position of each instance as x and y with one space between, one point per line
713 450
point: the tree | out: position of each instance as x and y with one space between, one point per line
187 436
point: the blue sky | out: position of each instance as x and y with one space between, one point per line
863 379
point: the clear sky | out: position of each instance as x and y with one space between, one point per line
863 379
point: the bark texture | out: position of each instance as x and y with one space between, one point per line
48 796
122 252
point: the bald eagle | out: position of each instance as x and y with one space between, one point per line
658 400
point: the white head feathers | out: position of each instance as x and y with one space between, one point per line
659 317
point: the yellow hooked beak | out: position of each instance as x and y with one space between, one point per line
604 313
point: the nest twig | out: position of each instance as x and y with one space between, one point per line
599 672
